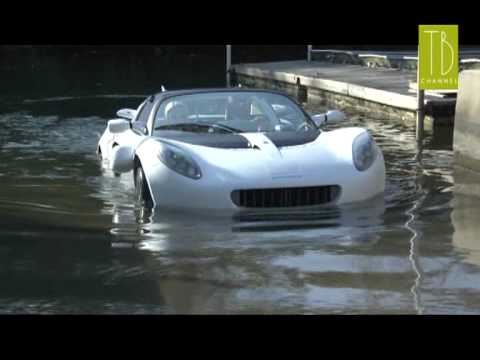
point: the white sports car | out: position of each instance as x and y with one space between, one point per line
238 149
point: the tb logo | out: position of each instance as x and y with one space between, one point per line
438 57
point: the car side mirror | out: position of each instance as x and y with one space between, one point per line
118 126
128 114
330 117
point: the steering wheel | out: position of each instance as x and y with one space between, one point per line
305 126
257 118
262 121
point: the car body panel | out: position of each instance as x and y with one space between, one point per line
327 160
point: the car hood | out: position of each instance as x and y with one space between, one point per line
264 159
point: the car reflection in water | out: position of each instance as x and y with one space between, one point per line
204 262
158 229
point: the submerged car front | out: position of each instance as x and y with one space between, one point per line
272 157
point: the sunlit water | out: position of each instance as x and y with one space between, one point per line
73 241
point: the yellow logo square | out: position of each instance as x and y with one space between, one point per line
438 57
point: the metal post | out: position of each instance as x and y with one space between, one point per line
420 114
420 105
309 54
229 63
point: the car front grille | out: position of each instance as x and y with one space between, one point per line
285 197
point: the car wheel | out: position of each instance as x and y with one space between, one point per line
142 192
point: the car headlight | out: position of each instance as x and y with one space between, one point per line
179 161
364 151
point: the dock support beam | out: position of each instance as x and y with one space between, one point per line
229 63
420 105
309 53
420 115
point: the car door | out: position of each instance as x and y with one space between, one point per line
138 130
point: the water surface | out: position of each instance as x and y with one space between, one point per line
73 241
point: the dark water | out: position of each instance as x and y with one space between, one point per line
72 240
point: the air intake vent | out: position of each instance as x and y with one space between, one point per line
285 197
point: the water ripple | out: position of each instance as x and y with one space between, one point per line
393 254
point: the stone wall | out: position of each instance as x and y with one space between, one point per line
466 141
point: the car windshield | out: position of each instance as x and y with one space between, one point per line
231 112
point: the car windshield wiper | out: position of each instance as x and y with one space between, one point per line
219 126
227 128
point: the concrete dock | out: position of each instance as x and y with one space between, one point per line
469 58
380 92
466 142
